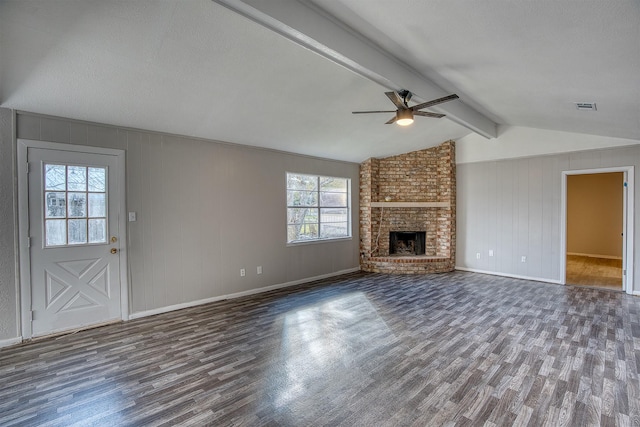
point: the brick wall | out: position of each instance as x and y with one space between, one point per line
420 176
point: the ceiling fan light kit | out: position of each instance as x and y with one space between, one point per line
404 117
404 113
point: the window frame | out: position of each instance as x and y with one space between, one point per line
319 207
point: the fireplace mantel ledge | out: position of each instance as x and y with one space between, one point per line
410 204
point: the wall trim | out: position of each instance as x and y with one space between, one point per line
174 307
10 341
594 255
513 276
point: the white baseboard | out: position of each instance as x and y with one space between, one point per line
10 342
514 276
238 294
594 255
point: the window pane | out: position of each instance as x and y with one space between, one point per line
334 215
302 232
56 206
302 182
302 215
317 207
56 232
97 231
333 199
333 184
302 198
339 229
77 205
97 179
54 177
76 178
97 206
77 231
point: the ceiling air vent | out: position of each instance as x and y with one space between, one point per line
586 106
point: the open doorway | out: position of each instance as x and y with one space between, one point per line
595 224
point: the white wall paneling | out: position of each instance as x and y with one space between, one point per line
514 207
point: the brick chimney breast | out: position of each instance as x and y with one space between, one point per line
412 192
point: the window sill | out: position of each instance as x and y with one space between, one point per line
316 241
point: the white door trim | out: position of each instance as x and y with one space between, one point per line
23 225
628 215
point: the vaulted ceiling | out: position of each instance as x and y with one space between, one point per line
286 74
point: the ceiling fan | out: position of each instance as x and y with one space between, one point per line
404 113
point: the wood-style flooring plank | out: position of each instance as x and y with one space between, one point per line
456 349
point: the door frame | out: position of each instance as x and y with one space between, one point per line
25 325
627 222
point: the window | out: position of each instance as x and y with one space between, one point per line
318 208
75 205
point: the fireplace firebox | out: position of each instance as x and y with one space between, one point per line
407 243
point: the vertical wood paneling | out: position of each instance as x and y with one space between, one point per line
461 217
135 244
54 130
506 235
535 216
483 187
204 210
28 127
584 160
522 216
9 304
527 199
550 218
78 133
492 224
209 183
155 232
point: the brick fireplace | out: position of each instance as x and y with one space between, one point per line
406 195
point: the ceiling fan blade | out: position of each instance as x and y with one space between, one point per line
428 114
367 112
434 102
392 120
395 98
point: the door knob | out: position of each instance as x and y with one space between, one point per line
114 251
114 239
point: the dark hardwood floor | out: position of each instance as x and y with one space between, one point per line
363 349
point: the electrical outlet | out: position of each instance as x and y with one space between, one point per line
242 272
523 259
490 252
259 269
477 255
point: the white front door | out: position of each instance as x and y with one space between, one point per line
74 242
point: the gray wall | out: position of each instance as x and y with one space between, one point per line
513 208
204 211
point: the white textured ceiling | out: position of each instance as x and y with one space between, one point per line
521 62
195 68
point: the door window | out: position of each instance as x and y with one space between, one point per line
75 205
